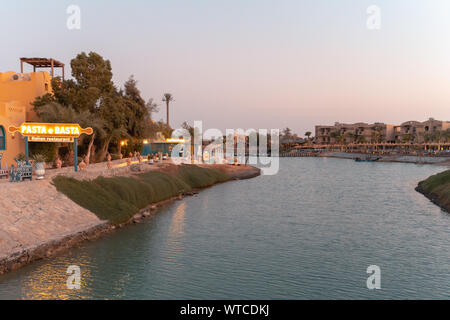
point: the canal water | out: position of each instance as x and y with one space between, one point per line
309 232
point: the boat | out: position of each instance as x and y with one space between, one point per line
367 159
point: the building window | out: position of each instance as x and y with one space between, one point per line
2 138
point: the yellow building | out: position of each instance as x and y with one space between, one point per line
17 92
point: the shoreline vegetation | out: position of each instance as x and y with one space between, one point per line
437 189
118 199
85 208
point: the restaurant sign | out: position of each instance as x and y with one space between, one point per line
50 132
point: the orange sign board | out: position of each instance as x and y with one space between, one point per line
49 130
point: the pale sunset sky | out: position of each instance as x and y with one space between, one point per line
254 63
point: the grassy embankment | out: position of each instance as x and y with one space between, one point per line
117 199
437 189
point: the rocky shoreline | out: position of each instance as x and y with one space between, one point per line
433 197
17 249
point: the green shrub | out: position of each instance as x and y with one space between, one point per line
436 181
198 177
117 199
93 197
37 157
438 185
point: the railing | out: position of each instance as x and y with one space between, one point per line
298 154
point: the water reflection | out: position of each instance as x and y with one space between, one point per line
175 239
49 281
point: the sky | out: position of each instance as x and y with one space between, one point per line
254 63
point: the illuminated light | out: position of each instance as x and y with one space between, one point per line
66 130
145 141
175 140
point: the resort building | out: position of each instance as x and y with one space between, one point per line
17 92
415 131
354 133
407 132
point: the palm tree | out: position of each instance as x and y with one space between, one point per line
287 135
446 135
437 137
167 99
308 134
339 138
334 135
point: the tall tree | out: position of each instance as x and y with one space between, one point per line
92 71
124 113
112 112
152 107
136 110
437 137
167 99
308 134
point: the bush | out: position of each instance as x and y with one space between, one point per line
436 181
39 158
117 199
438 185
198 177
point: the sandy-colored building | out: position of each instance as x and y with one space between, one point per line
415 131
409 131
17 92
354 133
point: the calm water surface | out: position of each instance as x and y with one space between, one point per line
309 232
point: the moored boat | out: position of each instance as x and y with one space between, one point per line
367 159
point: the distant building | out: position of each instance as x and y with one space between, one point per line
410 131
355 132
415 131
